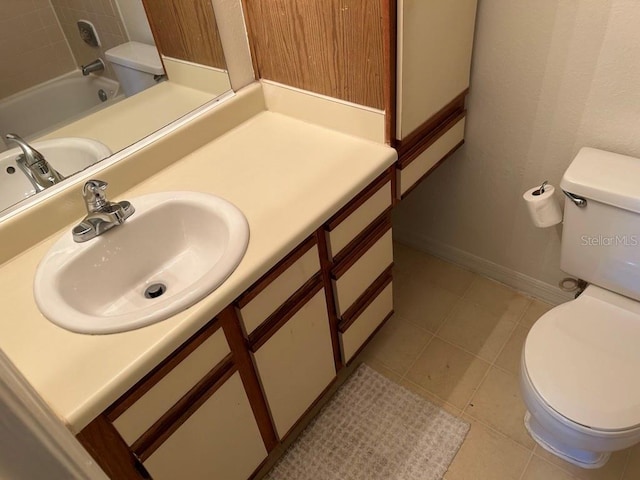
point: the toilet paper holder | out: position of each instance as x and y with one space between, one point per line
579 201
540 191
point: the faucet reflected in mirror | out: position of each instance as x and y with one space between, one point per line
33 164
93 67
44 99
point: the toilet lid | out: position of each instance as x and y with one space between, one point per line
583 358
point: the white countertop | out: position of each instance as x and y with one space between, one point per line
133 118
287 176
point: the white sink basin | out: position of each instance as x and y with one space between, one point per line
67 155
187 241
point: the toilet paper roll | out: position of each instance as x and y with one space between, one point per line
543 207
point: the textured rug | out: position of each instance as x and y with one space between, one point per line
374 429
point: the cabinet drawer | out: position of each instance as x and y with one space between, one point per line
410 174
219 440
163 394
349 283
278 285
355 331
359 214
296 363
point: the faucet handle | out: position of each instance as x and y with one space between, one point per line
94 196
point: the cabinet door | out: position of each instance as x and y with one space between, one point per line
435 40
296 363
220 440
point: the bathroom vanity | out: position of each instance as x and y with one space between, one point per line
233 374
231 393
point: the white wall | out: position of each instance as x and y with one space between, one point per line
548 77
135 21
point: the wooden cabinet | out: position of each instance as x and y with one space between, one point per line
278 285
418 162
146 410
190 417
219 440
295 364
408 58
362 321
359 238
434 45
219 404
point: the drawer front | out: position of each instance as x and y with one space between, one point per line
296 363
366 323
363 272
134 421
271 297
340 236
219 440
414 171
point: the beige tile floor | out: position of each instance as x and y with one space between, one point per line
456 338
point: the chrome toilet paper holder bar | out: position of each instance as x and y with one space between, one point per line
540 191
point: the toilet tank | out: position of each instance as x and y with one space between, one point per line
136 65
601 241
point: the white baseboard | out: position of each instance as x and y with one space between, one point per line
521 282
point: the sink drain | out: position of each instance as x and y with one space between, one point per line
155 290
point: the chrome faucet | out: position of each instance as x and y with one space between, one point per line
95 66
34 165
102 215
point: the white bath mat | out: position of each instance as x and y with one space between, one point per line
374 429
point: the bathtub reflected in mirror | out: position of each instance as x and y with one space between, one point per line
55 100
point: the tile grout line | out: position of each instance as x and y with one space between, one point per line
492 364
626 465
526 466
434 335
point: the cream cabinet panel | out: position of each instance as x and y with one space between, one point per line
278 291
296 364
432 155
360 330
435 41
164 394
371 209
364 271
220 440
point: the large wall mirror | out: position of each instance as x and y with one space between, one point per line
160 59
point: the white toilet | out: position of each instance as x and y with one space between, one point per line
137 66
580 367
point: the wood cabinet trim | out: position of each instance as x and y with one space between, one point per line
408 157
431 126
240 350
168 423
263 282
147 382
368 192
361 237
390 66
369 295
325 268
109 450
430 171
373 334
369 238
281 316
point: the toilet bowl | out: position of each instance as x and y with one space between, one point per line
579 377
